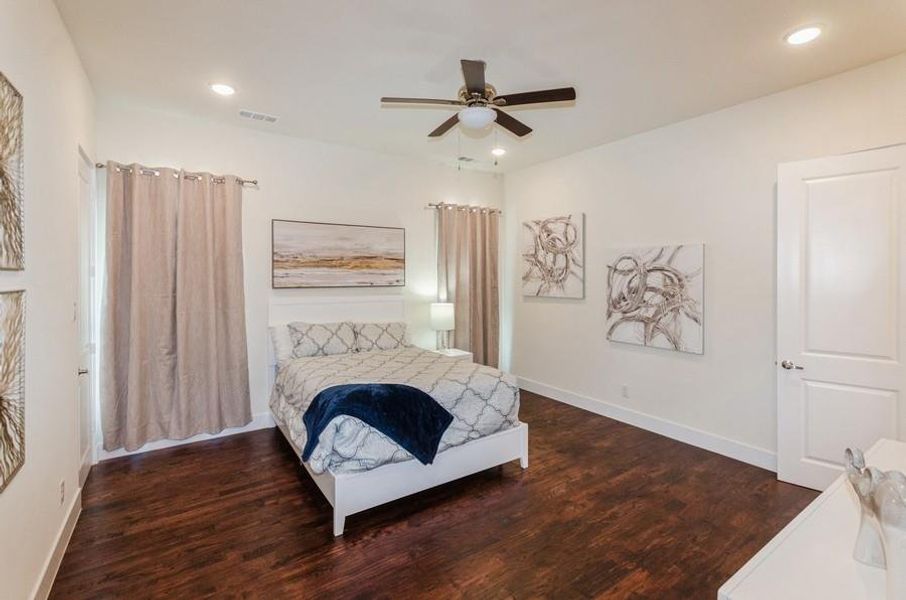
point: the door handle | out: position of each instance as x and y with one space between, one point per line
83 371
788 364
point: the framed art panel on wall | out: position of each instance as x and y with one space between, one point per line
553 257
12 178
321 255
655 297
12 385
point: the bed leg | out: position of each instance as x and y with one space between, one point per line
339 520
523 460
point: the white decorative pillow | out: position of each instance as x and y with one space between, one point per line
283 344
380 336
321 339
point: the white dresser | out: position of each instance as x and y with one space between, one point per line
812 556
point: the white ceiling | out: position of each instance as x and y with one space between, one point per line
322 66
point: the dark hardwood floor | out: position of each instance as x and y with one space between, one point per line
604 510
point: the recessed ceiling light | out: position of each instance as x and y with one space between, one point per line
803 35
222 89
498 151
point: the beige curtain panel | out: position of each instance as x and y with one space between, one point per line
174 359
467 275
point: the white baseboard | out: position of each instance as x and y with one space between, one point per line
760 457
85 466
52 564
259 421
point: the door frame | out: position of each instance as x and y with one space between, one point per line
86 167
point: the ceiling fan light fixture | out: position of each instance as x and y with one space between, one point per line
498 151
481 103
476 117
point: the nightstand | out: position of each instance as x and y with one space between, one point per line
456 353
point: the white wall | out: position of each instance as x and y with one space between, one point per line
37 55
710 179
302 180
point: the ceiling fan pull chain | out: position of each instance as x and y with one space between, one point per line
496 145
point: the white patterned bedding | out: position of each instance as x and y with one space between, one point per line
481 399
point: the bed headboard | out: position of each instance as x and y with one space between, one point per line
324 309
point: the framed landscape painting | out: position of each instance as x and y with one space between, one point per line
320 255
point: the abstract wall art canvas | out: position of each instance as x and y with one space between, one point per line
655 297
313 255
12 382
553 257
12 178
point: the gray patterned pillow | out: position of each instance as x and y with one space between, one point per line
321 339
380 336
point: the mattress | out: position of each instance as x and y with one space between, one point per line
482 400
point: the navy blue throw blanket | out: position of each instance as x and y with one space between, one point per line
405 414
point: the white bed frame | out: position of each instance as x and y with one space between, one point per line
350 493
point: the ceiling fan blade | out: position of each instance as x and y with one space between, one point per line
473 73
514 125
445 126
391 100
555 95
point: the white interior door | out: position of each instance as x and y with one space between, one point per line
85 302
840 309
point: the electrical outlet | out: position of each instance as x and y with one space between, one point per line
625 391
62 491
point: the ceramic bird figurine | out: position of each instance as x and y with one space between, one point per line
881 541
869 548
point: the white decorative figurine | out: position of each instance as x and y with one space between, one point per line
891 506
869 548
881 541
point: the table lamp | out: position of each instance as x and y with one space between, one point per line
443 320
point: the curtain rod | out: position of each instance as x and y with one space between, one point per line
241 181
463 207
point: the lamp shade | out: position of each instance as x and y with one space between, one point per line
477 117
442 318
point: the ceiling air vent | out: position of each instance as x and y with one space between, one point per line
257 116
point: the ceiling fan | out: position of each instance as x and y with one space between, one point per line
482 104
